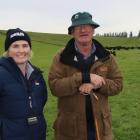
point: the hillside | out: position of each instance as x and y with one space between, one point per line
61 39
125 106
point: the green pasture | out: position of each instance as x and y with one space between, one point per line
125 106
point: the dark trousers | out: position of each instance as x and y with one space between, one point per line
90 121
90 132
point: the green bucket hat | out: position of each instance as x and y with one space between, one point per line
82 18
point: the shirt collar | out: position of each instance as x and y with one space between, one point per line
29 71
92 51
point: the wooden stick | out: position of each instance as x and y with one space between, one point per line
92 96
97 129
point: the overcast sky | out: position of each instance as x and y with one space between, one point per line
54 16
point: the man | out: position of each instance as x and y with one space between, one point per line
82 76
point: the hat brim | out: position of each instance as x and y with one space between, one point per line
95 25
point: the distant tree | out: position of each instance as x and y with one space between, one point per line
113 34
97 34
116 34
131 34
105 34
139 34
124 34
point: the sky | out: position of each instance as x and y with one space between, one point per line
54 16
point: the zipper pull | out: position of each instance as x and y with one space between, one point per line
30 102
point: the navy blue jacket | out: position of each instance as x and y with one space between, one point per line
21 99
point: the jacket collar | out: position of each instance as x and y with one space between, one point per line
9 64
69 56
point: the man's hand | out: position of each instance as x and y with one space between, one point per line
97 81
86 88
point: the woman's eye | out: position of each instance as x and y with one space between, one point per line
25 45
15 46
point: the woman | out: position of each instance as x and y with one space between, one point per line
23 91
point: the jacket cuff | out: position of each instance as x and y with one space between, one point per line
85 77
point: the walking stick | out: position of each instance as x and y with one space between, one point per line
94 99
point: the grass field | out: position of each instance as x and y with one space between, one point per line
125 106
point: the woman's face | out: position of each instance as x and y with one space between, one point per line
20 51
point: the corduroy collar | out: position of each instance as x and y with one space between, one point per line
68 56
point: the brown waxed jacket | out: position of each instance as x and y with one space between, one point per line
64 81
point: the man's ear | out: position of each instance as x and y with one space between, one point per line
72 31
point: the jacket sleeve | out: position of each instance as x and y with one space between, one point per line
114 80
60 84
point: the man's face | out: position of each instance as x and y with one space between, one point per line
83 34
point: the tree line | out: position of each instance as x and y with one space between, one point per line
110 34
120 34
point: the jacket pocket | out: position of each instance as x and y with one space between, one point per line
66 124
106 121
